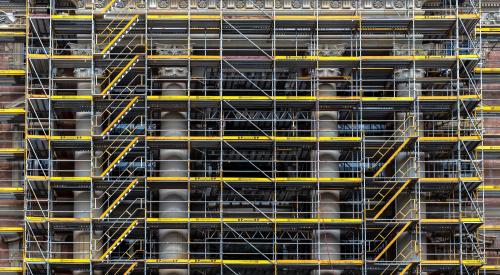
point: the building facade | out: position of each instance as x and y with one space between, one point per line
249 136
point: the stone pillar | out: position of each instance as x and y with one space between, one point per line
329 204
173 163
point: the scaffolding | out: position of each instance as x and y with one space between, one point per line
245 136
490 72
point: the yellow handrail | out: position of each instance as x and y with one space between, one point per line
392 199
119 239
119 116
120 33
401 131
407 267
386 163
115 202
122 153
109 31
394 180
119 75
129 270
108 6
393 240
382 236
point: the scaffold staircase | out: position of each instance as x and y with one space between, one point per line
387 237
386 195
128 261
116 74
116 152
118 120
118 190
402 138
115 236
116 111
116 31
387 230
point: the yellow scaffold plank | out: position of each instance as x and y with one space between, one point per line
12 34
11 229
488 148
46 219
320 262
394 154
251 138
70 137
318 17
59 57
399 98
71 17
488 29
72 97
254 262
488 109
57 260
9 269
438 221
118 240
304 17
447 98
325 58
120 115
11 190
228 98
118 199
487 70
67 138
65 179
490 267
489 188
431 221
70 178
490 227
4 151
452 262
393 241
182 17
68 261
317 58
254 220
12 111
452 17
181 57
449 139
261 180
449 180
308 98
12 72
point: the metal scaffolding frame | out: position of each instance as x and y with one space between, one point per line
231 137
